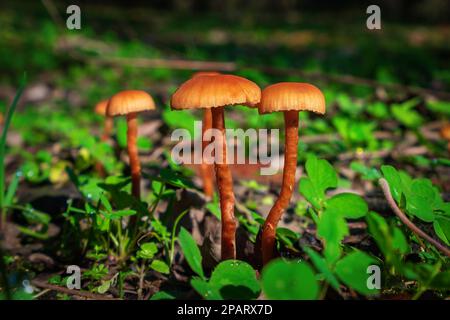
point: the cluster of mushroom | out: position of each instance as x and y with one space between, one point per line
212 92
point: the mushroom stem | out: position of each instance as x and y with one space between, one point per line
107 129
206 169
132 132
225 186
290 165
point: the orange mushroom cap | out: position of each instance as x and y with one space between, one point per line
445 132
211 91
129 101
100 108
205 73
286 96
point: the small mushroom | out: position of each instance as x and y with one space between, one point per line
100 109
215 92
130 103
207 170
290 98
445 134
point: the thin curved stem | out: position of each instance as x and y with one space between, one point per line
206 169
225 186
135 166
287 188
403 218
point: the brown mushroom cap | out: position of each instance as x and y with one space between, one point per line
129 101
100 108
286 96
211 91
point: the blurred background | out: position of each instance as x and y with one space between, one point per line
376 82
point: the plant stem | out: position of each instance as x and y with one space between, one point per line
403 218
4 276
134 236
225 185
174 230
323 291
424 287
290 164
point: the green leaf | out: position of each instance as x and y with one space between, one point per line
308 190
191 251
144 144
442 228
12 188
399 241
283 280
173 178
390 240
322 174
160 266
439 106
421 199
235 279
321 264
441 281
393 178
366 172
214 208
332 229
406 114
287 236
348 205
105 202
352 270
121 132
118 214
147 250
204 289
178 120
104 287
162 295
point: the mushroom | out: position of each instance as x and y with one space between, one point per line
206 169
290 98
445 134
129 103
215 92
100 109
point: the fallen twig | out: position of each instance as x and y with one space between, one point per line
72 292
179 64
232 66
403 218
352 80
328 137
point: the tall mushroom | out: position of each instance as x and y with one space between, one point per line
215 92
100 109
206 169
290 98
130 103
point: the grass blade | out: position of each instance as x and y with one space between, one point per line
7 123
